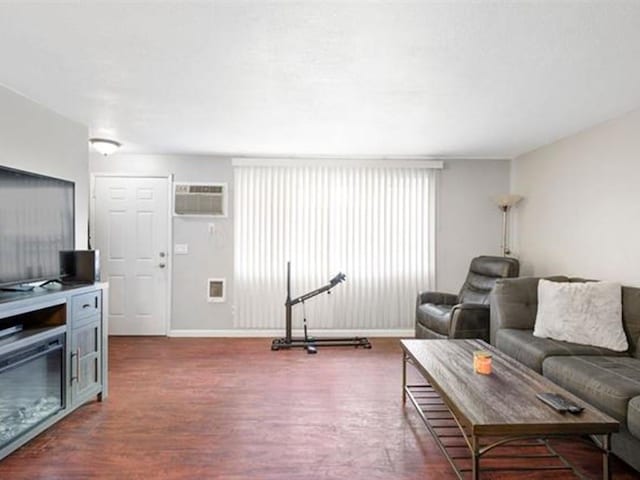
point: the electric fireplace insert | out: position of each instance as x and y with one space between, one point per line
32 365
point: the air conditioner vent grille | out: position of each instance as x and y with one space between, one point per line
200 199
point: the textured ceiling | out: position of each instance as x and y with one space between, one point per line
450 79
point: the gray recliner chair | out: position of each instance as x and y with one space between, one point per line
466 315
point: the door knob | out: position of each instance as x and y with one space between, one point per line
162 254
161 265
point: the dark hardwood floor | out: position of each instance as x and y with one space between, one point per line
232 409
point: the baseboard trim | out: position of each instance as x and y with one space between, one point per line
260 333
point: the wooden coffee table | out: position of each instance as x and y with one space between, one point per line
494 410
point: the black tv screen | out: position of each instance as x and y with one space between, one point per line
36 223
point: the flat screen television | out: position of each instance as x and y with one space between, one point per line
37 221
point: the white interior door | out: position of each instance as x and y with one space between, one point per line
131 231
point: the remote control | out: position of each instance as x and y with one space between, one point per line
559 403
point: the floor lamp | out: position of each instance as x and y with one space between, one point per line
505 202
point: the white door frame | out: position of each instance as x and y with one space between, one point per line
92 216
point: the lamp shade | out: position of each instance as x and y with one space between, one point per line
507 200
104 145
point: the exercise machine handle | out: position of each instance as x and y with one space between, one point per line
339 278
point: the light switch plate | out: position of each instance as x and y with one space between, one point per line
181 248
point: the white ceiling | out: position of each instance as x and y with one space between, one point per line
451 79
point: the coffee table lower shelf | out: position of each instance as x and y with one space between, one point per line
507 454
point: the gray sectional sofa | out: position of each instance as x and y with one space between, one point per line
606 379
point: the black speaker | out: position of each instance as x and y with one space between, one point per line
80 266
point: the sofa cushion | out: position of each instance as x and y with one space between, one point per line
514 303
631 317
633 416
607 383
588 313
434 317
530 350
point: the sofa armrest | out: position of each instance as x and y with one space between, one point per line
438 298
470 320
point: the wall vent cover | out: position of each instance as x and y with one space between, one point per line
204 199
216 289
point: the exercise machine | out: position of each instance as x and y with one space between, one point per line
311 344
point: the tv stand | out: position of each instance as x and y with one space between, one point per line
80 312
23 287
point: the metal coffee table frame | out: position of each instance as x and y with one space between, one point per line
428 401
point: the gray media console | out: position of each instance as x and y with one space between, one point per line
53 357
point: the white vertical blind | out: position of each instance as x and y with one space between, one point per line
375 224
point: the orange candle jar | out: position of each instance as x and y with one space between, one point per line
482 362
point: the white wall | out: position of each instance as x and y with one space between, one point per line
469 223
581 212
469 226
38 140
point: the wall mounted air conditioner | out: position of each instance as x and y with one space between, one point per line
200 199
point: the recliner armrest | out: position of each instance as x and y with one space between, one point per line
470 320
438 298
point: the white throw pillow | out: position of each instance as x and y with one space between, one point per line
588 313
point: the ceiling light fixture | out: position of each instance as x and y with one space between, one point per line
104 145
